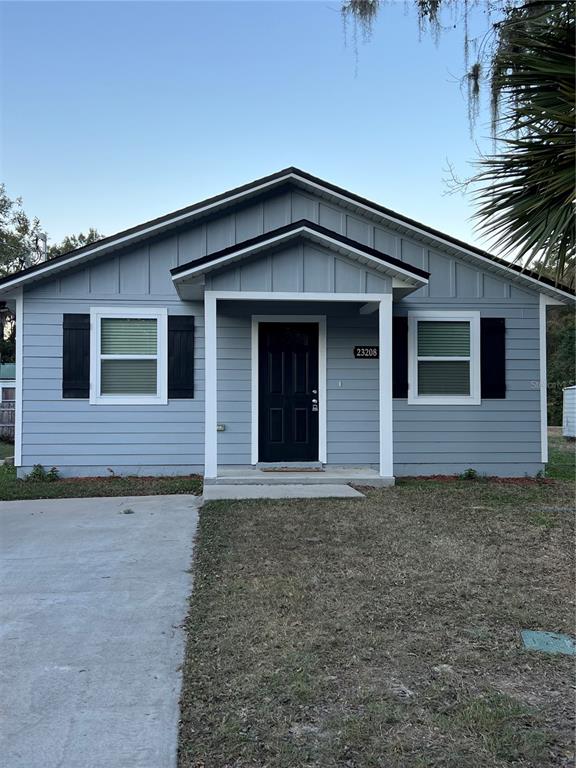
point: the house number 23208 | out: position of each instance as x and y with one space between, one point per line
371 352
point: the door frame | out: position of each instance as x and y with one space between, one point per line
319 320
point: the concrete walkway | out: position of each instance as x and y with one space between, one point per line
279 491
93 593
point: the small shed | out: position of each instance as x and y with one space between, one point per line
569 412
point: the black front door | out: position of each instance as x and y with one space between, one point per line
288 392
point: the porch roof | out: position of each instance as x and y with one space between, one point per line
189 277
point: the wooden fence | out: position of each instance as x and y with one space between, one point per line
7 411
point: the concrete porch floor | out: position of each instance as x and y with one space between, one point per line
249 475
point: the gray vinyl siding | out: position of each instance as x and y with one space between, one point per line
499 436
234 345
351 384
84 439
353 431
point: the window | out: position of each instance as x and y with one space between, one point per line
444 358
128 356
8 394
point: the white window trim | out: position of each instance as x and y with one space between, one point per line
160 314
474 398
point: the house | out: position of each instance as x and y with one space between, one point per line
287 322
7 396
7 382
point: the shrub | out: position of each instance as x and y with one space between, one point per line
52 475
40 475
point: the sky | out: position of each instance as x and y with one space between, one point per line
113 113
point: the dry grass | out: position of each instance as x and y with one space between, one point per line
382 632
561 455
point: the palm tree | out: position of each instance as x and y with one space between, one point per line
524 191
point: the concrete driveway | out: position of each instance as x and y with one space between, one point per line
93 593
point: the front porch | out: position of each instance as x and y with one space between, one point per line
344 403
298 356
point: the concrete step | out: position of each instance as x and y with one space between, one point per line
367 477
277 491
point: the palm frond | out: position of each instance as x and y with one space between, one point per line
525 192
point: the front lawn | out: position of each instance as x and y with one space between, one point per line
561 455
382 632
11 488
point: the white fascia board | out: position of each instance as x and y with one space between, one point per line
293 296
408 278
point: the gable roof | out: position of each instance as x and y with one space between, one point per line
406 278
283 178
281 235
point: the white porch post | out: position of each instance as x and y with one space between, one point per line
210 388
543 382
19 383
385 389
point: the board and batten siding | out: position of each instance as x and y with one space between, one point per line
303 268
83 439
499 436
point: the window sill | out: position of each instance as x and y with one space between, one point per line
444 400
128 400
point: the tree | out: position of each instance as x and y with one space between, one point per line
20 236
525 193
7 335
71 242
23 244
22 240
524 190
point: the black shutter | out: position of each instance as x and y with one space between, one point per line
399 357
76 356
493 357
180 356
